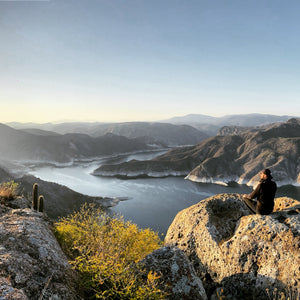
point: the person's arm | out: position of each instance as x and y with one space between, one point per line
255 193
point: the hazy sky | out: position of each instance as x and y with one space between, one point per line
122 60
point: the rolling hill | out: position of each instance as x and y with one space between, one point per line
21 145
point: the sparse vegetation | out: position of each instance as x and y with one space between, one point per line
35 197
9 190
105 250
41 204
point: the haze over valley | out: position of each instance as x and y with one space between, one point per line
243 145
71 154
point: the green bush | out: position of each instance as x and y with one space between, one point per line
105 250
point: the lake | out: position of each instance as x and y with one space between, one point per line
152 202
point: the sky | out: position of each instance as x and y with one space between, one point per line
147 60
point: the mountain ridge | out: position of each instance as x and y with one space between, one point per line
208 125
252 119
165 133
21 145
222 159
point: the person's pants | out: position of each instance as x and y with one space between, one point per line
251 204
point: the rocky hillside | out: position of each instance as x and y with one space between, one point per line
214 249
222 159
238 130
21 145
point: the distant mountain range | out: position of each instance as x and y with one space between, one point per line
218 158
163 131
211 125
237 120
152 133
224 158
36 144
21 145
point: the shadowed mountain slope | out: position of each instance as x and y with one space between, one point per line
152 132
20 145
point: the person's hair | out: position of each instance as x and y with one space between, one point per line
267 172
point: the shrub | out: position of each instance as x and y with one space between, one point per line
105 251
9 190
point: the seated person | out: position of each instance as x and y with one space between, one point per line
264 192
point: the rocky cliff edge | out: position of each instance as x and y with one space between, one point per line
213 250
32 264
238 254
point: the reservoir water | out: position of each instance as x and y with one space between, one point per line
152 202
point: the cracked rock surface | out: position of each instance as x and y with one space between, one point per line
32 263
245 254
179 277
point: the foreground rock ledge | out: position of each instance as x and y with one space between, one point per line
31 261
179 279
244 254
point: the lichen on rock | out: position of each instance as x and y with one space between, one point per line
177 275
243 253
31 261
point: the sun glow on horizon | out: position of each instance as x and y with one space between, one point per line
122 61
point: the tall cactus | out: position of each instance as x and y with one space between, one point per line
35 197
41 204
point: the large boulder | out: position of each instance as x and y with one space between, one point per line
32 264
242 254
177 275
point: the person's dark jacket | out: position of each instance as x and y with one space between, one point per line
265 194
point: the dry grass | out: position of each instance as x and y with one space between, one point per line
9 190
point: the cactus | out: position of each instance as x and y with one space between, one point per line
37 202
35 197
41 204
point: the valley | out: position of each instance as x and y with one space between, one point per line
151 202
143 175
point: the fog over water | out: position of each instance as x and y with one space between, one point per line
152 202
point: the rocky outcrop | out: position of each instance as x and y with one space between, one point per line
32 264
178 277
237 130
240 254
18 202
223 159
